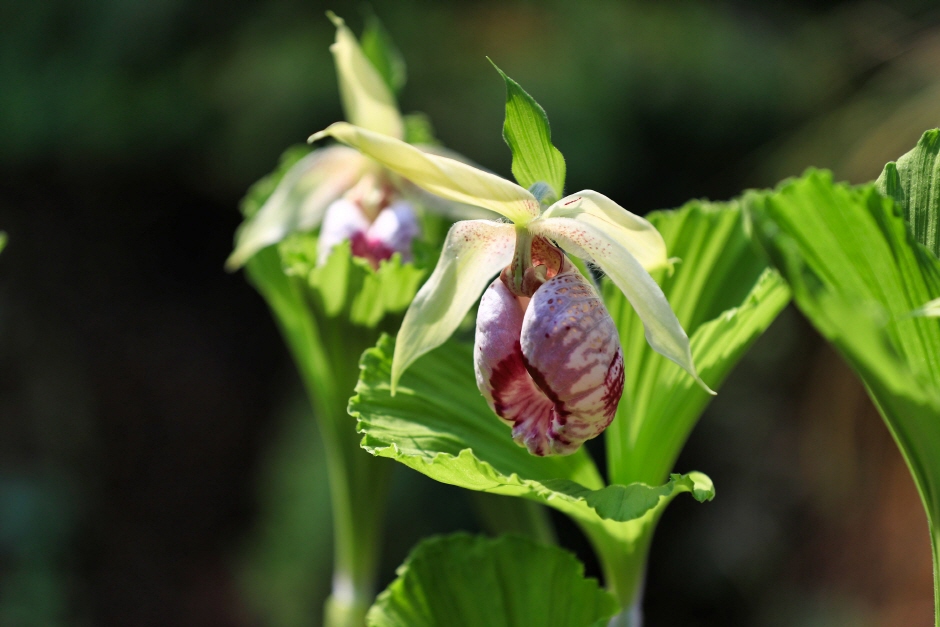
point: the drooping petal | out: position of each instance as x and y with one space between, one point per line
552 366
663 331
631 231
299 200
473 252
367 100
444 177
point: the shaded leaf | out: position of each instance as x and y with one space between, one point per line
379 48
725 296
857 272
472 581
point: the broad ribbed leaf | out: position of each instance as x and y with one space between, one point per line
439 424
472 581
914 182
724 296
857 272
528 135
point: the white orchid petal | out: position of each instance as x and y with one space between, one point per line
299 200
474 251
663 331
367 99
444 177
631 231
343 219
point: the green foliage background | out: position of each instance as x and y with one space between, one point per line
143 389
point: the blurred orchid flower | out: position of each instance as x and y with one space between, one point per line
348 195
548 358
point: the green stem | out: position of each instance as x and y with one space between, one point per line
623 550
326 352
935 548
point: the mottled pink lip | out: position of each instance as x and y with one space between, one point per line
392 231
550 366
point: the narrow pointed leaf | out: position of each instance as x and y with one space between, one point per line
297 203
474 581
725 296
528 135
663 331
440 425
474 251
445 177
631 231
913 182
379 48
367 99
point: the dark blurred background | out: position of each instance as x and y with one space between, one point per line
158 465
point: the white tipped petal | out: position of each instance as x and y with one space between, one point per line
663 331
631 231
367 100
474 251
444 177
299 200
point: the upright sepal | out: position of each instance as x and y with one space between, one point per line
367 100
528 135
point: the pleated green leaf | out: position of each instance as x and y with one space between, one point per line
914 182
510 581
857 272
439 424
725 296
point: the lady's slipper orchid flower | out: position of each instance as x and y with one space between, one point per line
548 358
348 195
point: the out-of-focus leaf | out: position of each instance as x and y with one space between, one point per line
419 130
725 296
472 581
534 158
439 424
379 48
347 286
914 182
857 272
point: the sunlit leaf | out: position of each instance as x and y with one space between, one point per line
914 182
857 272
724 296
440 425
534 158
471 581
